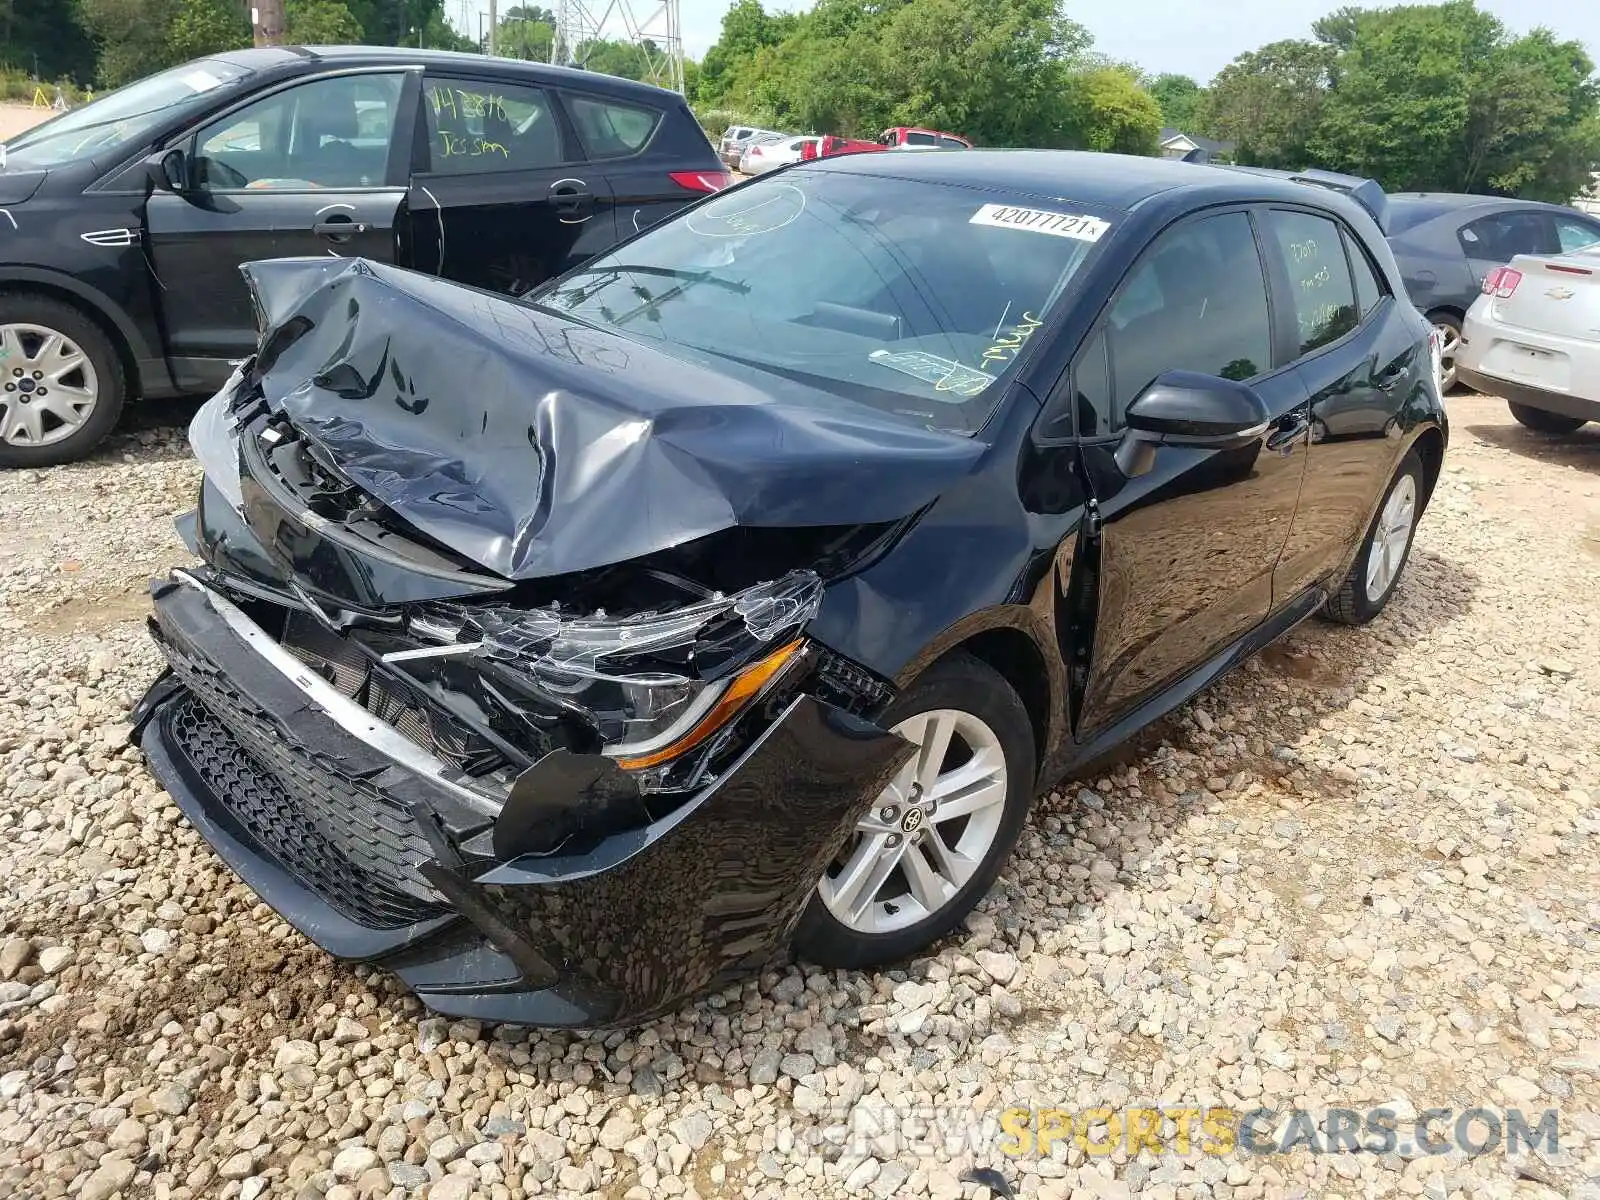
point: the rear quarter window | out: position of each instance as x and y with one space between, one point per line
1321 291
611 128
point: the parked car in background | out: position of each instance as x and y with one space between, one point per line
830 145
736 137
535 698
1533 337
761 157
912 137
1447 243
126 220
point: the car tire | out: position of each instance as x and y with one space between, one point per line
27 323
1540 421
988 735
1449 327
1372 580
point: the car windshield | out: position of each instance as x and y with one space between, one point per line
912 297
120 118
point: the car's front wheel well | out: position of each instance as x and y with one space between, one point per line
124 352
1430 449
1013 654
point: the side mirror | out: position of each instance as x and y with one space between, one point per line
168 171
1185 408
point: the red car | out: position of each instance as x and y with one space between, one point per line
831 144
914 137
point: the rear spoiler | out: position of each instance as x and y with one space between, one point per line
1365 192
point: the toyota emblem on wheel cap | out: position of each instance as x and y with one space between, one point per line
912 821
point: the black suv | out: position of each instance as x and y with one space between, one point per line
125 221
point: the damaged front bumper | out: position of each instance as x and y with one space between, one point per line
380 852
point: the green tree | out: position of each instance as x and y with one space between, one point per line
1404 92
1532 124
321 23
1441 97
1178 97
202 27
746 29
134 38
46 39
526 31
1270 102
992 70
1106 109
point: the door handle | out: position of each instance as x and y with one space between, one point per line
572 200
1282 440
338 229
1391 379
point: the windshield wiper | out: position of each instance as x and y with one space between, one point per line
652 303
581 292
648 269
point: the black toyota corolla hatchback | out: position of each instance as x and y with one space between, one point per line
569 655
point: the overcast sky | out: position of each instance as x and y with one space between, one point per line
1190 38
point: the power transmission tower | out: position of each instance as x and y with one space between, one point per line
654 26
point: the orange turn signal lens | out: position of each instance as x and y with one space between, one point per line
752 680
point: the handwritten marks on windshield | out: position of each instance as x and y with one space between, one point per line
945 374
1007 345
465 107
764 211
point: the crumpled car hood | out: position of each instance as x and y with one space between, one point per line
538 446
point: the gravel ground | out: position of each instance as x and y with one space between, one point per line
1361 870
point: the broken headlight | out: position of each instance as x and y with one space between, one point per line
652 686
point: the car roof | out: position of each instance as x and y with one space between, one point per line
1443 202
267 57
1110 180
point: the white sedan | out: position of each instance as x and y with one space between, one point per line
761 157
1533 337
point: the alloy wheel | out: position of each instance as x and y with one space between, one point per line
48 385
1391 537
1449 346
928 832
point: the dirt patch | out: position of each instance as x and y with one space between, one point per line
93 612
1291 662
17 118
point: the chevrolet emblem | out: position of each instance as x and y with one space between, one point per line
1560 293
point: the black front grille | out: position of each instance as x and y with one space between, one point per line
339 835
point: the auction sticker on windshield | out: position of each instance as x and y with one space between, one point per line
1038 220
945 374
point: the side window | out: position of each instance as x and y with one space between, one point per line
328 133
950 143
1319 276
1195 301
1575 235
921 139
476 126
610 129
1502 236
1091 387
1368 288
